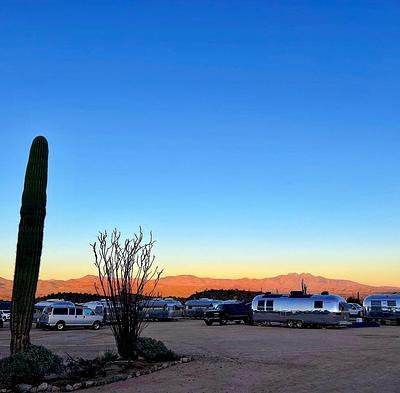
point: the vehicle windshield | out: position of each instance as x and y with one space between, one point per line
344 306
46 310
220 307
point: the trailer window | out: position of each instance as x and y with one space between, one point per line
376 303
318 304
60 311
261 305
270 305
391 303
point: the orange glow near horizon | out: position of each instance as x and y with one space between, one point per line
369 273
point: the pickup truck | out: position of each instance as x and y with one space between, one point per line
225 312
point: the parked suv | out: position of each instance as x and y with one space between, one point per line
355 310
60 315
225 312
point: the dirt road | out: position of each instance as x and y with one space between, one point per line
239 358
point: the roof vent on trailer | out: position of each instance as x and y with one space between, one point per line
324 293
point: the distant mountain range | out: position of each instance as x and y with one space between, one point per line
185 285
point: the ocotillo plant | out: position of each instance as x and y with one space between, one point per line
29 246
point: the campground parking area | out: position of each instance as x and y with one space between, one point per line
240 358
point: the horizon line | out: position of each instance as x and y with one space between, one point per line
225 278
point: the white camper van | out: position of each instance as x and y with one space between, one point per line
60 315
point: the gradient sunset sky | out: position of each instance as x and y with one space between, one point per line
254 138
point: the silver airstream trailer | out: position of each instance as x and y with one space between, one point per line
162 309
100 308
382 307
298 309
196 308
175 308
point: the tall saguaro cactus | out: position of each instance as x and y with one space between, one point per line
29 246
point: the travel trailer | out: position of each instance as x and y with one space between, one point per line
195 308
299 309
100 308
60 315
162 309
382 307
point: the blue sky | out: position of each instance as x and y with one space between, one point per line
253 138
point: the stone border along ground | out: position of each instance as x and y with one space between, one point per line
47 387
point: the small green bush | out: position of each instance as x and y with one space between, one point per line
14 369
29 366
153 350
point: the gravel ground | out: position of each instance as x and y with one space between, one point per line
239 358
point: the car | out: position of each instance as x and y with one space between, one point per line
5 315
355 310
232 311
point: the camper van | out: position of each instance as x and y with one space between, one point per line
60 315
299 309
40 306
382 307
197 307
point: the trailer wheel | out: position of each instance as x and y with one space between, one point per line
208 323
223 321
299 324
290 323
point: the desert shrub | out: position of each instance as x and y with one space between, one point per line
29 366
78 368
153 350
108 356
14 369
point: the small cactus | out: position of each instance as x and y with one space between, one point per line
29 246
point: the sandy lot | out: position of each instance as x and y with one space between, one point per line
239 358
